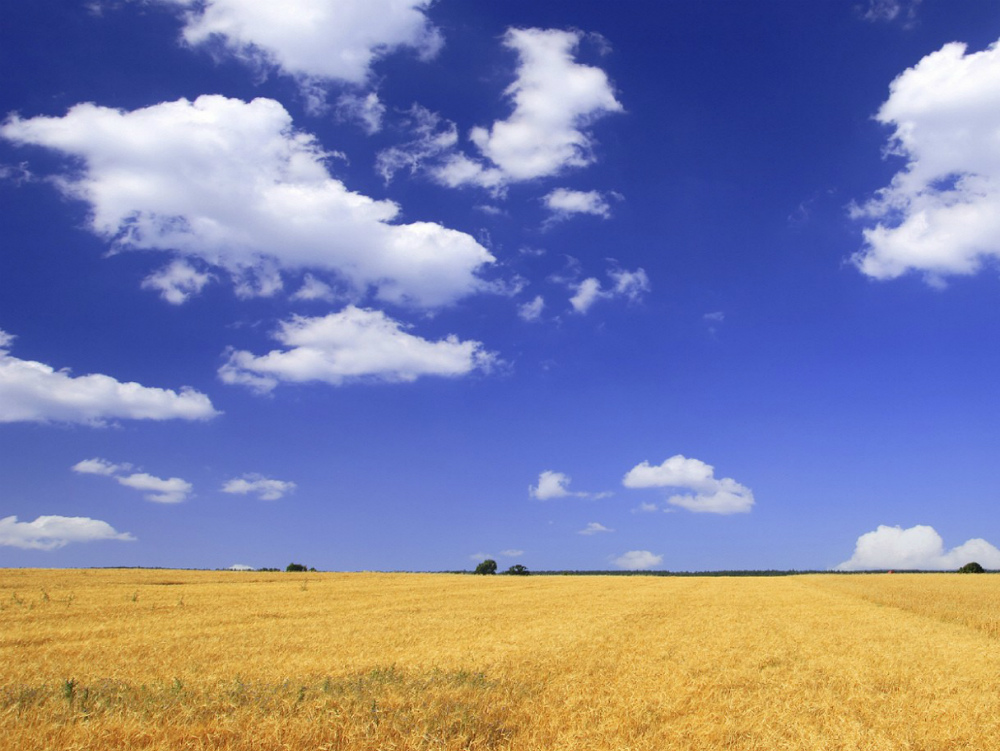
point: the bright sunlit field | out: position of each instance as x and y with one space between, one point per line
226 660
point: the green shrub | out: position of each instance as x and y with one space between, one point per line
489 566
971 568
518 570
295 567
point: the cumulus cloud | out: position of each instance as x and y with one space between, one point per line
555 101
35 392
594 528
555 98
51 532
158 490
265 488
232 184
631 285
351 345
940 215
919 547
564 203
550 485
638 560
177 281
705 493
314 41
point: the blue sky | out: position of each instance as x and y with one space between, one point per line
408 284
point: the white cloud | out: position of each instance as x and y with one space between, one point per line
594 528
587 293
432 137
556 485
550 485
99 467
919 547
458 169
51 532
891 10
233 184
631 285
264 488
351 345
158 490
312 40
35 392
314 289
177 281
564 203
705 493
531 311
366 110
638 560
240 567
940 215
555 99
511 553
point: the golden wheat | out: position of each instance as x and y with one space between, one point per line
226 660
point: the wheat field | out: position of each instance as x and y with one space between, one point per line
230 660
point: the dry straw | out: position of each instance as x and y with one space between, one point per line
201 660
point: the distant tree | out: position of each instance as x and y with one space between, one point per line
295 567
489 566
518 570
972 568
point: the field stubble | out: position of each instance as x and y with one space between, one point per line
220 660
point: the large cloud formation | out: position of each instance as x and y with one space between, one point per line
51 532
232 184
706 493
919 547
351 345
940 215
35 392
